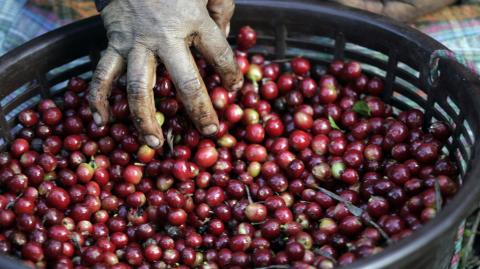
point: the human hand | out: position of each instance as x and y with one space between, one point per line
140 32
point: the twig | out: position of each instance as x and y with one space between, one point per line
274 267
356 211
281 60
325 254
438 196
170 139
247 189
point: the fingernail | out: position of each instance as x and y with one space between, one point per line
97 118
210 129
152 141
237 86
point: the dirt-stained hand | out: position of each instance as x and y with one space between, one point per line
140 32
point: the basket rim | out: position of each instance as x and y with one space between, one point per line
448 218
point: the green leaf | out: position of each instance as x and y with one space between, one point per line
333 124
362 108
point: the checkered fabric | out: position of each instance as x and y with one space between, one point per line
458 28
22 20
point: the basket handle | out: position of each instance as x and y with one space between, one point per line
448 55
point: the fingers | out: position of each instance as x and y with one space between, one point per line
108 69
140 80
221 12
216 50
190 87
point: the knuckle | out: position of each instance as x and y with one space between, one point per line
190 87
96 98
224 61
139 122
144 124
120 42
202 113
100 76
92 97
136 87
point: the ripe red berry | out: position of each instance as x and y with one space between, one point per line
77 84
28 118
145 154
19 146
206 156
256 212
300 140
255 153
303 120
32 251
184 170
219 96
52 116
351 71
255 133
215 196
243 64
177 216
269 90
233 113
300 66
58 198
85 172
246 38
132 174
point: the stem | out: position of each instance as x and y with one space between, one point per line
274 267
438 196
76 244
281 60
170 139
356 211
12 203
379 229
248 194
324 254
255 85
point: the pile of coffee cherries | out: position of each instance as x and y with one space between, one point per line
309 169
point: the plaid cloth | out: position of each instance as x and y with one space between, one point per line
457 27
22 20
